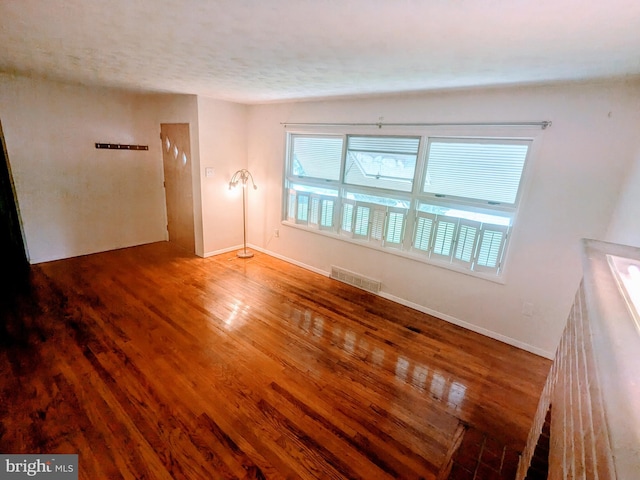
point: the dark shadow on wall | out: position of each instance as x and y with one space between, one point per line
14 266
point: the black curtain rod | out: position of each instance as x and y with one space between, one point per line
543 124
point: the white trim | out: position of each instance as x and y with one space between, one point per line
224 250
469 326
442 316
290 260
55 258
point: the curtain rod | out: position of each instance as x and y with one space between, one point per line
543 124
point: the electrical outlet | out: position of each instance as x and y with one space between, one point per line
208 172
276 233
527 309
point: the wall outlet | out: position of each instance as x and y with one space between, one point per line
276 233
208 172
527 309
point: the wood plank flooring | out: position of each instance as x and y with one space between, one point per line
154 364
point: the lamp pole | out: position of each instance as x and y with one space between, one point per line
244 253
243 176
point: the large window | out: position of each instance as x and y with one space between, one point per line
450 201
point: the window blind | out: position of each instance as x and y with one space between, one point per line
377 225
444 237
316 157
491 248
302 211
395 227
361 227
485 171
423 230
326 216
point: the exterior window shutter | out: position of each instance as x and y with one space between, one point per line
326 213
445 234
302 209
491 248
394 234
423 231
468 234
361 222
346 225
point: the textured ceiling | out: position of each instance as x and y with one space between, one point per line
255 51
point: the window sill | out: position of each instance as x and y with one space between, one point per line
399 253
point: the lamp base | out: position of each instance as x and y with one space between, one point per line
245 254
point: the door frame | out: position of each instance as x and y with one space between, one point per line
14 255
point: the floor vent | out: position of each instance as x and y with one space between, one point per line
355 279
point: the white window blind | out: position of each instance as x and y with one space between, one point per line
445 231
491 248
291 205
302 208
422 231
361 224
316 156
314 211
326 213
478 170
346 225
377 224
466 242
395 227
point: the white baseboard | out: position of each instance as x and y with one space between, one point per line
421 308
224 250
470 326
292 261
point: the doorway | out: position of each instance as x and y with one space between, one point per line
14 265
176 157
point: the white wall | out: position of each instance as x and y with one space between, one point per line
73 198
625 224
573 185
223 147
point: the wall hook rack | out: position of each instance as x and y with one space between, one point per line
118 146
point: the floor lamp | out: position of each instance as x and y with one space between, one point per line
242 177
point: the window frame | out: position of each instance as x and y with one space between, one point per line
347 150
416 197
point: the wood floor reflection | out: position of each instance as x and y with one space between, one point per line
151 363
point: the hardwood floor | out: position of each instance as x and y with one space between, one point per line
151 363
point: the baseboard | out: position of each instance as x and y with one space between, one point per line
469 326
421 308
292 261
55 258
224 250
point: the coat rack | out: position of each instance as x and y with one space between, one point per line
118 146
